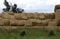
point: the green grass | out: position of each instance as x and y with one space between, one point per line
30 34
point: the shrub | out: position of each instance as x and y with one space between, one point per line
23 33
51 33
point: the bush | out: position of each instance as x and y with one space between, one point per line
51 33
23 33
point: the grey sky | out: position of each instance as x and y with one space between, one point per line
33 5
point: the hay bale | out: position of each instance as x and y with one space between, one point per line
6 22
13 23
17 16
24 16
1 22
58 22
35 16
30 15
28 23
57 14
50 16
42 17
1 15
44 23
36 22
11 13
21 16
6 16
52 25
20 22
56 8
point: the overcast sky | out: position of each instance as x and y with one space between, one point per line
33 5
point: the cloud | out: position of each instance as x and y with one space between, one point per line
34 5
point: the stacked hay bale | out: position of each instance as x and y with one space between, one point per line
57 16
52 24
7 16
28 23
13 23
21 22
50 16
21 16
35 22
25 19
41 16
57 7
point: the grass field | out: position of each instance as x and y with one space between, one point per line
30 34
